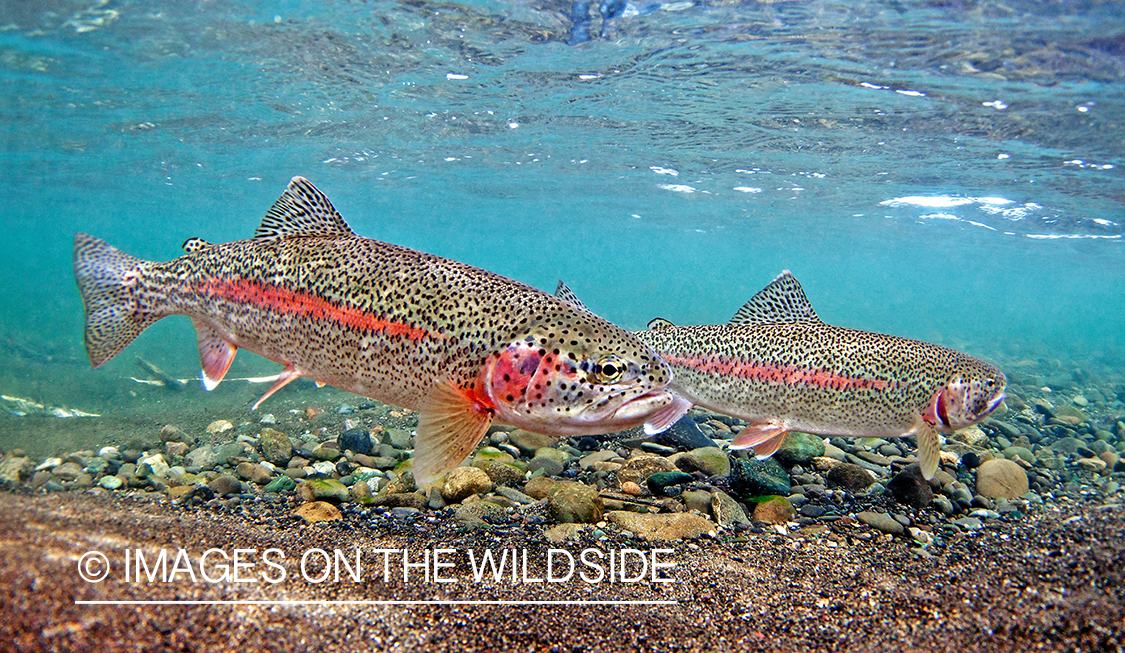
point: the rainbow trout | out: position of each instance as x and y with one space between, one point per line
777 366
464 347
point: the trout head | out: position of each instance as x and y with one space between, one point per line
967 397
580 377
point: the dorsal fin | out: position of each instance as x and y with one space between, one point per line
783 301
302 210
563 292
659 323
193 245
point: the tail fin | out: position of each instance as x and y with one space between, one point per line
107 279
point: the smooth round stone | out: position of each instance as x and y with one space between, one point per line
225 485
357 440
774 511
881 522
280 484
969 523
849 476
999 478
550 466
658 483
810 510
110 482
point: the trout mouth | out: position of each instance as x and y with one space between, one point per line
994 404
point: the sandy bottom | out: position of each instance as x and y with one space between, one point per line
1052 581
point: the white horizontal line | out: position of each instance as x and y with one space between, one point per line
317 602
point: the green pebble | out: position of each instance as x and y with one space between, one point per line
281 484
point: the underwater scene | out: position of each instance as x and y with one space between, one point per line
564 325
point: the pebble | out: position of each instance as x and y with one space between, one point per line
275 446
638 470
799 448
909 488
48 464
712 461
728 513
513 494
318 511
969 523
675 526
356 440
528 442
849 477
110 482
686 434
550 466
1001 478
574 502
754 478
660 482
462 482
225 485
881 522
777 510
218 426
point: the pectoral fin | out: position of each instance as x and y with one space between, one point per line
754 435
929 449
663 419
215 355
450 424
287 376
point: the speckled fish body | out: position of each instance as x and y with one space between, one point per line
463 346
777 366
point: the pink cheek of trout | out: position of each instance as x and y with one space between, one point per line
513 373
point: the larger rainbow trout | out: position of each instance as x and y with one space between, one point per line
777 366
462 346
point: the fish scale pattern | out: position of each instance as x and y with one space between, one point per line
824 378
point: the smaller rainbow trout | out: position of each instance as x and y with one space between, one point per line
777 366
462 346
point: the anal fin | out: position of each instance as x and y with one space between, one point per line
215 354
754 435
450 424
664 418
287 376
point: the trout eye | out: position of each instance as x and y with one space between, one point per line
608 369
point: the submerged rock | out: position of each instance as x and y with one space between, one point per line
356 440
727 511
799 448
777 510
318 511
755 478
675 526
574 502
686 434
712 461
638 470
999 478
909 488
881 522
463 482
849 476
275 446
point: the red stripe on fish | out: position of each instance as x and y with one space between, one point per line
283 300
787 374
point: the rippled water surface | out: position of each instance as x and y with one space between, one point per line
951 171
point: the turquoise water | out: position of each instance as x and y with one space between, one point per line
950 171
